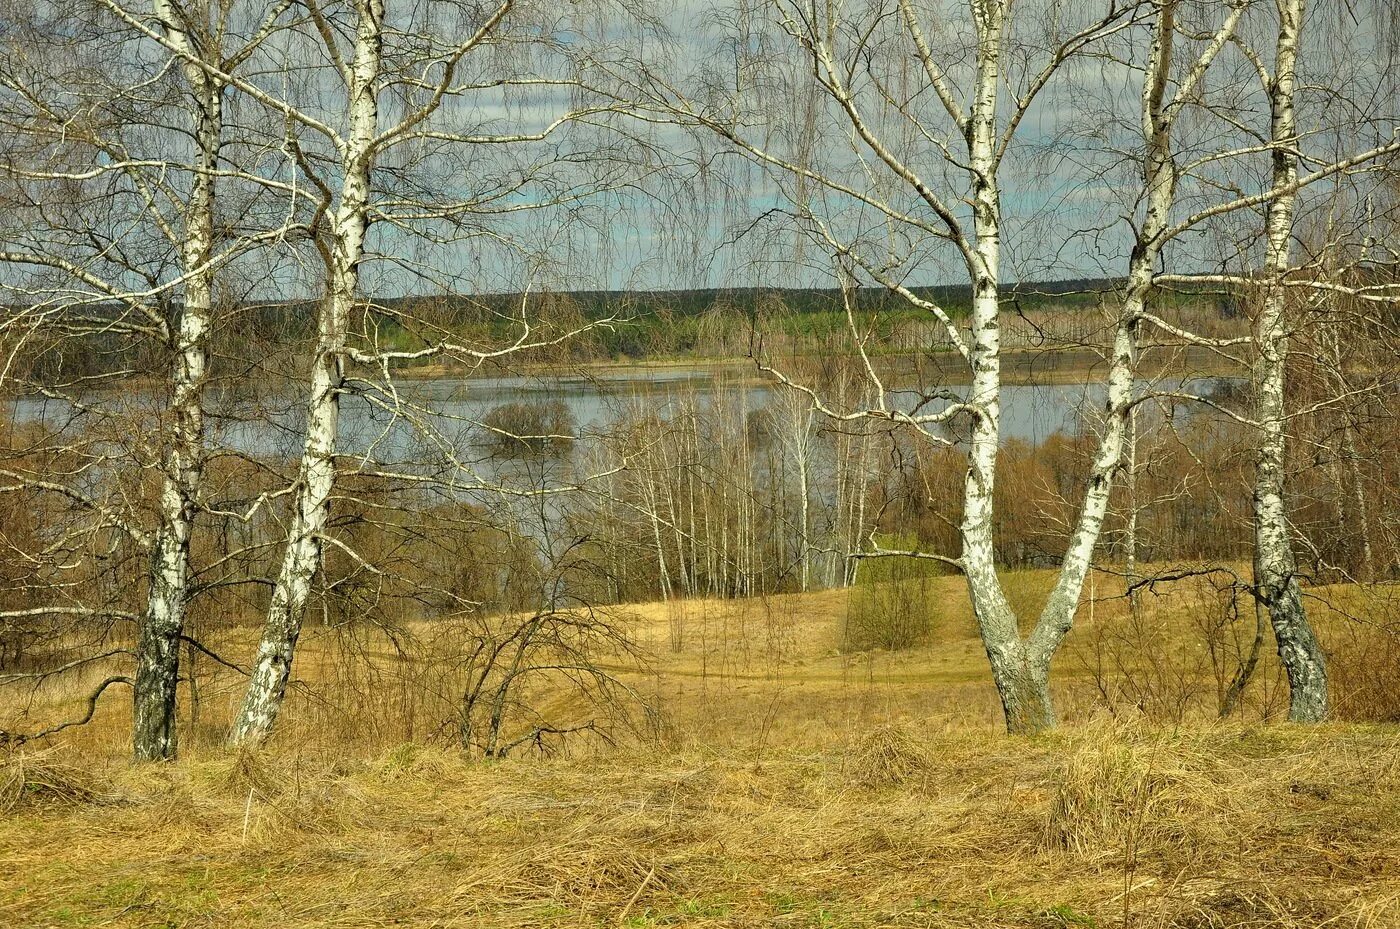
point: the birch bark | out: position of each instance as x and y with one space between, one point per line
349 224
1024 695
154 691
1275 565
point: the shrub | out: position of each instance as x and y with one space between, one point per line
891 606
529 427
1364 656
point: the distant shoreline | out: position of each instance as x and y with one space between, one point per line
1019 367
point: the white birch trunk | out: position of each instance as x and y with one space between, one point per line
1159 180
316 478
862 491
1275 566
1024 693
797 419
162 624
1130 531
1354 485
1020 668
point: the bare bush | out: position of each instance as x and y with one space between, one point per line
892 605
530 427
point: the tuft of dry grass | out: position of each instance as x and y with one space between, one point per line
889 756
1107 785
32 779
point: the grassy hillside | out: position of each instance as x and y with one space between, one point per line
780 781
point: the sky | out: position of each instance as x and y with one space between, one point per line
1071 181
638 203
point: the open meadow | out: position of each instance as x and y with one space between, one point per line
777 780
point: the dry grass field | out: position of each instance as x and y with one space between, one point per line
778 781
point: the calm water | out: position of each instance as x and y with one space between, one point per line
389 429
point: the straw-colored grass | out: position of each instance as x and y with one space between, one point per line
1097 826
786 784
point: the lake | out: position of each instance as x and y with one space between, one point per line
390 428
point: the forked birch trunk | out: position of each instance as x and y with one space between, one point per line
1021 668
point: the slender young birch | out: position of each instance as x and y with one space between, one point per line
793 422
430 94
348 226
173 313
1275 566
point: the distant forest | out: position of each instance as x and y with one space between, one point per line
650 325
710 323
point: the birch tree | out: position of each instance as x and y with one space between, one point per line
1163 101
925 164
1278 284
81 148
347 225
195 30
1275 566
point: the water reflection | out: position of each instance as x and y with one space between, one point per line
421 421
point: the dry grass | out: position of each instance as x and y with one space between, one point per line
787 785
890 756
38 779
1221 827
